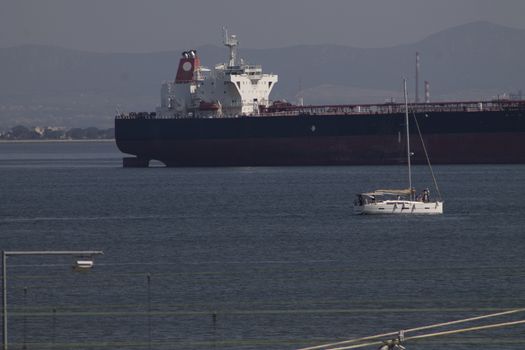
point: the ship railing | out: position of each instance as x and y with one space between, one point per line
138 115
368 109
396 108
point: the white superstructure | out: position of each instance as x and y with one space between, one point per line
229 89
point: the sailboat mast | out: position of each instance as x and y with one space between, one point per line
408 138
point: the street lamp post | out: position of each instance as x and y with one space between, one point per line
80 264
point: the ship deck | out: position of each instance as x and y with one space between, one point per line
285 109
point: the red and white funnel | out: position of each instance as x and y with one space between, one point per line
188 65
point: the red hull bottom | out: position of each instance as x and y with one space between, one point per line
480 148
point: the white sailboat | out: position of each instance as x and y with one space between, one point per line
400 201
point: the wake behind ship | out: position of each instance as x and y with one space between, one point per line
224 117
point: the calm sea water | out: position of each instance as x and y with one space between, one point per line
250 258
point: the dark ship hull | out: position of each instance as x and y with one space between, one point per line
457 134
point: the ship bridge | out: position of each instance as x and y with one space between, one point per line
239 88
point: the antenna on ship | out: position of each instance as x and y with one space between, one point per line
232 43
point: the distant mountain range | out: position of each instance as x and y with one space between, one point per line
42 85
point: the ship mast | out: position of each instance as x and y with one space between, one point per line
408 137
231 42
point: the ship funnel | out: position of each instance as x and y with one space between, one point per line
188 65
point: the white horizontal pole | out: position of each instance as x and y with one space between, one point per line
54 252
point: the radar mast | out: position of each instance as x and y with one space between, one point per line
231 42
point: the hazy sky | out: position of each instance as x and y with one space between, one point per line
161 25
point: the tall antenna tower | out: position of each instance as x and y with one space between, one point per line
417 77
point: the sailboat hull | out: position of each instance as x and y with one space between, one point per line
400 207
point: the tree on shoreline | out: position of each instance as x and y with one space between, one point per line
21 132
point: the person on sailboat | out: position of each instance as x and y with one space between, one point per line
426 195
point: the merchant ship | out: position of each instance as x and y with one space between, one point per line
224 117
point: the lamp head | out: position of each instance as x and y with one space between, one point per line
83 265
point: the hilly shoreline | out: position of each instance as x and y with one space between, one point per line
43 85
